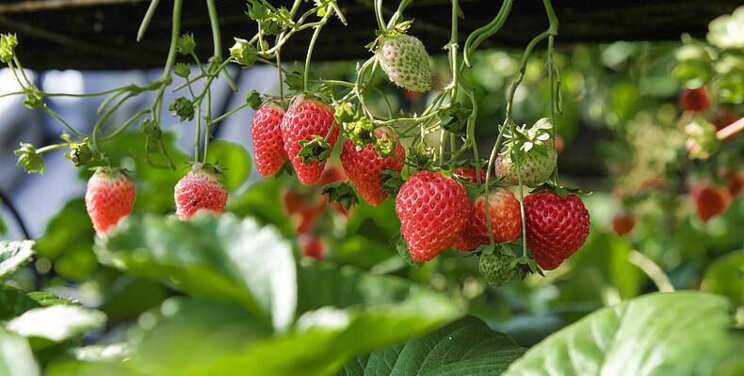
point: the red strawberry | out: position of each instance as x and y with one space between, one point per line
312 246
293 201
623 223
468 239
199 189
364 168
109 198
304 119
709 201
735 182
331 175
267 139
506 221
433 209
556 227
468 173
694 99
309 216
723 118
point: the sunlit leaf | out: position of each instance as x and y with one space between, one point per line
465 347
683 333
13 254
56 323
16 358
222 257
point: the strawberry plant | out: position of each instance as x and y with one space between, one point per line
393 229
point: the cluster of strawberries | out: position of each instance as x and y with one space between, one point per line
709 199
110 195
434 208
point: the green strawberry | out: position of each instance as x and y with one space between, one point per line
497 269
406 62
528 153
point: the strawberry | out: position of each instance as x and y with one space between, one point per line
623 223
405 61
506 221
293 201
497 269
468 239
433 209
312 246
534 168
305 119
199 189
694 99
331 175
468 173
723 118
735 182
309 215
556 227
364 167
505 213
267 139
108 198
528 154
709 201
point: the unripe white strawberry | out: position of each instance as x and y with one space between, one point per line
535 168
406 62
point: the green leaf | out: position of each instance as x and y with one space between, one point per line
16 358
345 313
233 159
683 333
57 323
465 347
13 254
725 276
46 299
127 297
187 336
13 302
68 241
3 226
222 258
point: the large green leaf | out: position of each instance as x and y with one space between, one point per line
16 358
725 276
349 313
683 333
233 159
13 302
465 347
187 336
217 257
56 323
13 254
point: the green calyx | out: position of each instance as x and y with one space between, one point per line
29 159
8 43
315 149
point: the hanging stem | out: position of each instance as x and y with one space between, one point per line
175 34
214 22
379 16
310 48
